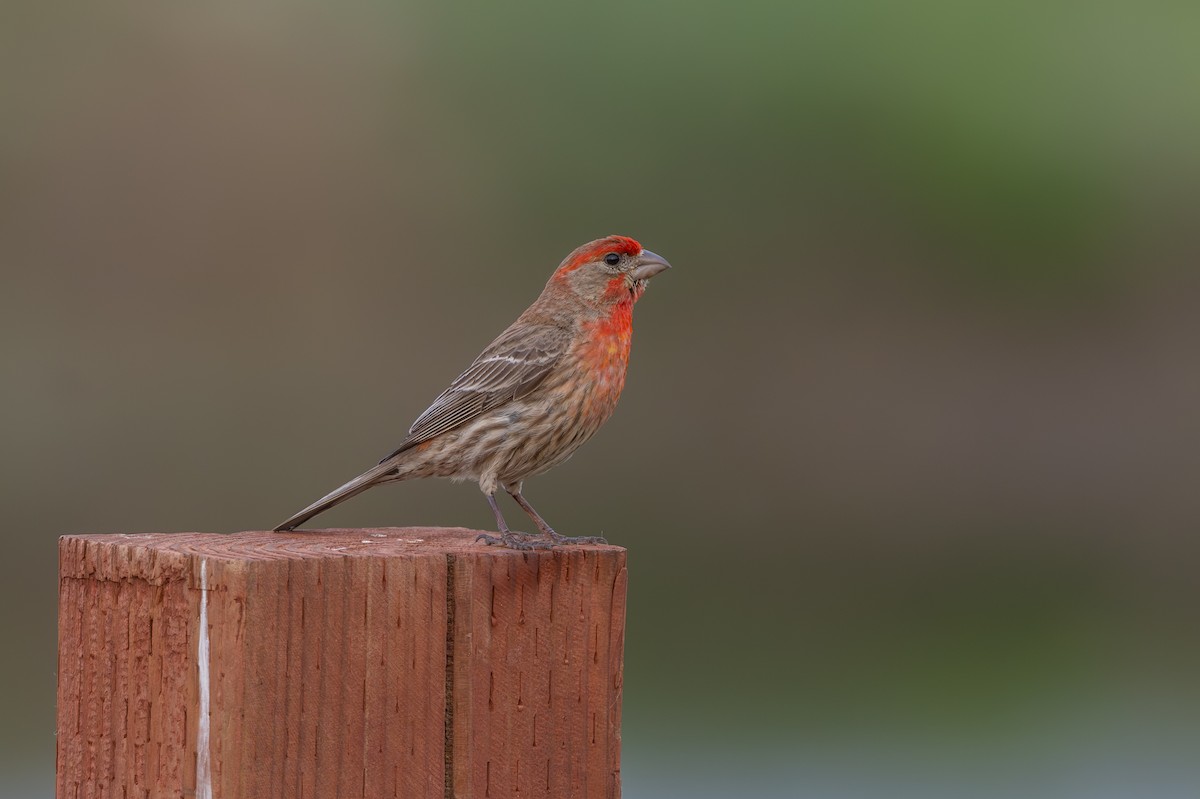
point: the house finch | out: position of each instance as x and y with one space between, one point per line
533 396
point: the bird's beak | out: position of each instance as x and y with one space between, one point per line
649 265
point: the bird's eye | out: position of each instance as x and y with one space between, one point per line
612 259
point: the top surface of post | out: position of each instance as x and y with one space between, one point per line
158 556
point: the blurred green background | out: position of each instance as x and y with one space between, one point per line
908 458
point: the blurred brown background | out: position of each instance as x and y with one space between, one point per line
907 462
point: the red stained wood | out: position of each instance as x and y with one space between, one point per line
398 662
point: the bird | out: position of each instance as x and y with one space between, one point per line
534 395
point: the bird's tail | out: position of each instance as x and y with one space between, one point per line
353 488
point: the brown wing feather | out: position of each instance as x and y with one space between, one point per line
512 366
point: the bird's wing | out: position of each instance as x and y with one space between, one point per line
512 366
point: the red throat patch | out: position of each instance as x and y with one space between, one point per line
604 348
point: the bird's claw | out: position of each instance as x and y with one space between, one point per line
512 541
526 541
578 539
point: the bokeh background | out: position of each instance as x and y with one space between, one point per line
908 458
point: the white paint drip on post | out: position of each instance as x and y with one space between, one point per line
203 768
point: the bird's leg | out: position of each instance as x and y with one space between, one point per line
507 537
546 529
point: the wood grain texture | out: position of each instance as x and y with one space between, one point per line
398 662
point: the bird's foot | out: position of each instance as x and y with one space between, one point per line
577 539
513 541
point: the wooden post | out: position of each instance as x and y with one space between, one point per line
398 662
